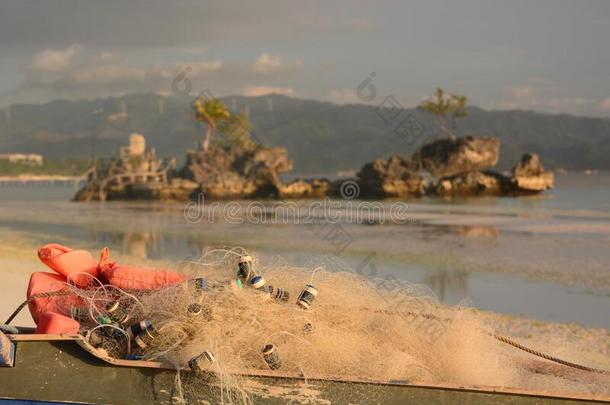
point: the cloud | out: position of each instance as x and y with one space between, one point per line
545 99
520 92
194 70
77 72
54 61
106 57
75 66
267 63
273 65
569 103
343 96
254 91
604 105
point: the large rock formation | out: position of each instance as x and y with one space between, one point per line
529 175
459 166
448 157
394 177
236 172
136 174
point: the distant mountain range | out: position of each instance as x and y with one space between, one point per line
320 137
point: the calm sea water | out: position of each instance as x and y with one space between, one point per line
545 257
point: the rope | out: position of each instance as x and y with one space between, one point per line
9 330
32 298
507 341
515 344
548 357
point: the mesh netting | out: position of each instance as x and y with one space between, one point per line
236 316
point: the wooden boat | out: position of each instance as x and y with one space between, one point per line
65 369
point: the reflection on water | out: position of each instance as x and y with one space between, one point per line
510 255
138 244
477 231
449 286
142 245
149 245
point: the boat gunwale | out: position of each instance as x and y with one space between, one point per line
25 338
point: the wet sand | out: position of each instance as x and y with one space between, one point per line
555 263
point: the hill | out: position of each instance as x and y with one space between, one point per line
320 137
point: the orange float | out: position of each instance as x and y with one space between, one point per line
53 323
70 263
42 283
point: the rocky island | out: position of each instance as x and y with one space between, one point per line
449 167
235 167
460 167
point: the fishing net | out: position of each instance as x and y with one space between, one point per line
236 316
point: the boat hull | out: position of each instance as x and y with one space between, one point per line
61 370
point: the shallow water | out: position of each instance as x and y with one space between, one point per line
543 257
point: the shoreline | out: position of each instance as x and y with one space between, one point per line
33 178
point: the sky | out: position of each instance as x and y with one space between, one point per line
545 55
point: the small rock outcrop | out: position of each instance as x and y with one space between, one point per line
179 189
300 188
472 183
236 172
529 175
450 157
394 177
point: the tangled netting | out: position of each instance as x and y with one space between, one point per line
235 316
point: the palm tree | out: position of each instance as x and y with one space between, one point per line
458 110
237 130
441 105
438 105
212 112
